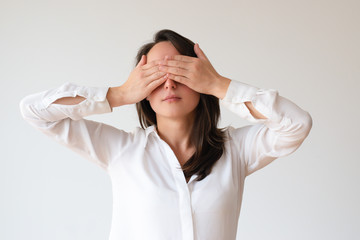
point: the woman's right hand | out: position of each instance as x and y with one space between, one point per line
145 78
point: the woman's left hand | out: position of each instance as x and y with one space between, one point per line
196 73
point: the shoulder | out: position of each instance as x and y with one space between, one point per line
136 134
140 135
116 136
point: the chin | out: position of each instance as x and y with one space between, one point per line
175 111
176 114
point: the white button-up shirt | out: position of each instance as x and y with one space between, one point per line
151 198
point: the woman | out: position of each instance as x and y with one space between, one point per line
179 176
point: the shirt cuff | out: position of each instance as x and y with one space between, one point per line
239 92
262 99
95 100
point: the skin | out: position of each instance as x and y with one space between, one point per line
175 116
165 72
183 99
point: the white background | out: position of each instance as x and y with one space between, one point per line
308 50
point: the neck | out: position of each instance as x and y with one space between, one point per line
176 131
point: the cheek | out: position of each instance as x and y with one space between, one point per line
196 99
153 94
192 101
193 95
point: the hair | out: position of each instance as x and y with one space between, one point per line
207 138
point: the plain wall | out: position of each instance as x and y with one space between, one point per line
308 50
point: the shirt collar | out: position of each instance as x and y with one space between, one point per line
148 131
152 130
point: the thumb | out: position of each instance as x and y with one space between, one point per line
142 61
200 52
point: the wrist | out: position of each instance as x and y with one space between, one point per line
115 97
222 87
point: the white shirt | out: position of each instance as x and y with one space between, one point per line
151 198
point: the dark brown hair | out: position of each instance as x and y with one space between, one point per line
206 137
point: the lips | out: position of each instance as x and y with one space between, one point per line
171 98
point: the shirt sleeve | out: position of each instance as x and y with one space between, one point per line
284 130
66 124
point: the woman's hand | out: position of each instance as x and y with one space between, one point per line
142 81
196 73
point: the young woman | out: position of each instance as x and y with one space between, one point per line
179 176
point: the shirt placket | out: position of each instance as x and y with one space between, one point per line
185 207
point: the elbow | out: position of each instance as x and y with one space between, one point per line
308 122
24 108
305 126
27 109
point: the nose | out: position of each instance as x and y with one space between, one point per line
170 84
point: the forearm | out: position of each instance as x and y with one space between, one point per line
49 106
221 87
220 92
69 100
264 106
256 114
114 97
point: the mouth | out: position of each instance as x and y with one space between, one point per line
171 98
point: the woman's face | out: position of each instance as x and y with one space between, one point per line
171 99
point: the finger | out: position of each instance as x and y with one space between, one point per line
179 79
182 58
200 52
142 61
155 76
156 82
151 64
176 63
151 71
174 70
